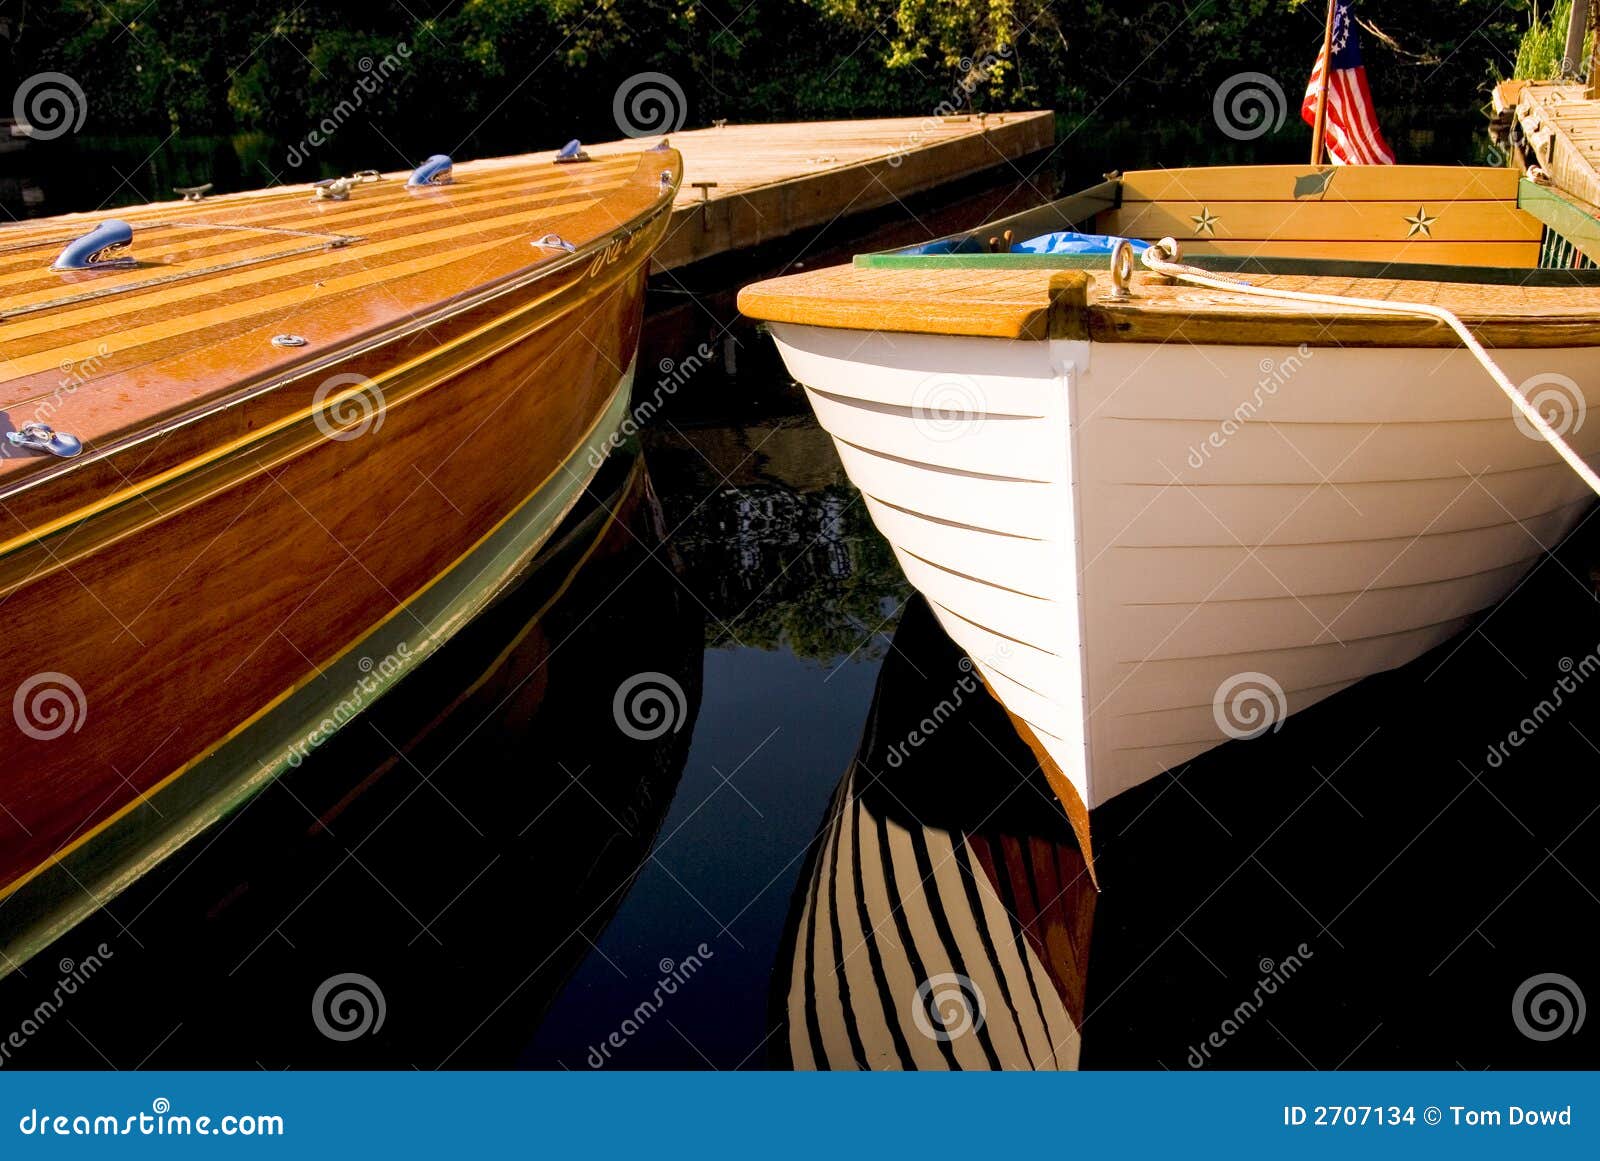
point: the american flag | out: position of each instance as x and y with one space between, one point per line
1351 131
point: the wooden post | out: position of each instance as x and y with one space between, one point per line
1594 60
1319 128
1572 57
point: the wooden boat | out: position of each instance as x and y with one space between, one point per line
1160 515
942 922
320 428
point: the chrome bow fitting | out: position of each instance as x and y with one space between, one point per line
435 171
570 152
101 248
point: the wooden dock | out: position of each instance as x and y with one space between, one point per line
1552 130
748 184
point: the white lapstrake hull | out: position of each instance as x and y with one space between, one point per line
1148 550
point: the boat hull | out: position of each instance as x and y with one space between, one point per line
1148 550
223 620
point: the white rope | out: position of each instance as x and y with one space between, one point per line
1157 258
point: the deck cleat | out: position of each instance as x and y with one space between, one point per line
43 437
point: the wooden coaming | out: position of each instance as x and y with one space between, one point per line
229 530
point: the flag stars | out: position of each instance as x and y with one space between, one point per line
1205 222
1421 224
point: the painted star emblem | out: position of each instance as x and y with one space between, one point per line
1205 222
1422 223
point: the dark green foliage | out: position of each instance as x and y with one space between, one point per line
488 76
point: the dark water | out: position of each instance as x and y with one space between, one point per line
535 863
711 789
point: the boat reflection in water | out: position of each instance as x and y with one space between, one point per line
418 889
944 919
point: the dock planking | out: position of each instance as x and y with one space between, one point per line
1560 124
748 184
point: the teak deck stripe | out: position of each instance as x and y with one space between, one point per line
130 338
298 203
52 284
134 301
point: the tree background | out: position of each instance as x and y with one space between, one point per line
495 76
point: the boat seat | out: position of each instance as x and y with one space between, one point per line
1447 215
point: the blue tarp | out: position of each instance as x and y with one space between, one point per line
1068 242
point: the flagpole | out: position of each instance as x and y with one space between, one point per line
1321 123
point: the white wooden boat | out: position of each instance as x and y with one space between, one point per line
1160 521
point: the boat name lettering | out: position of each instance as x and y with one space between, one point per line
615 249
